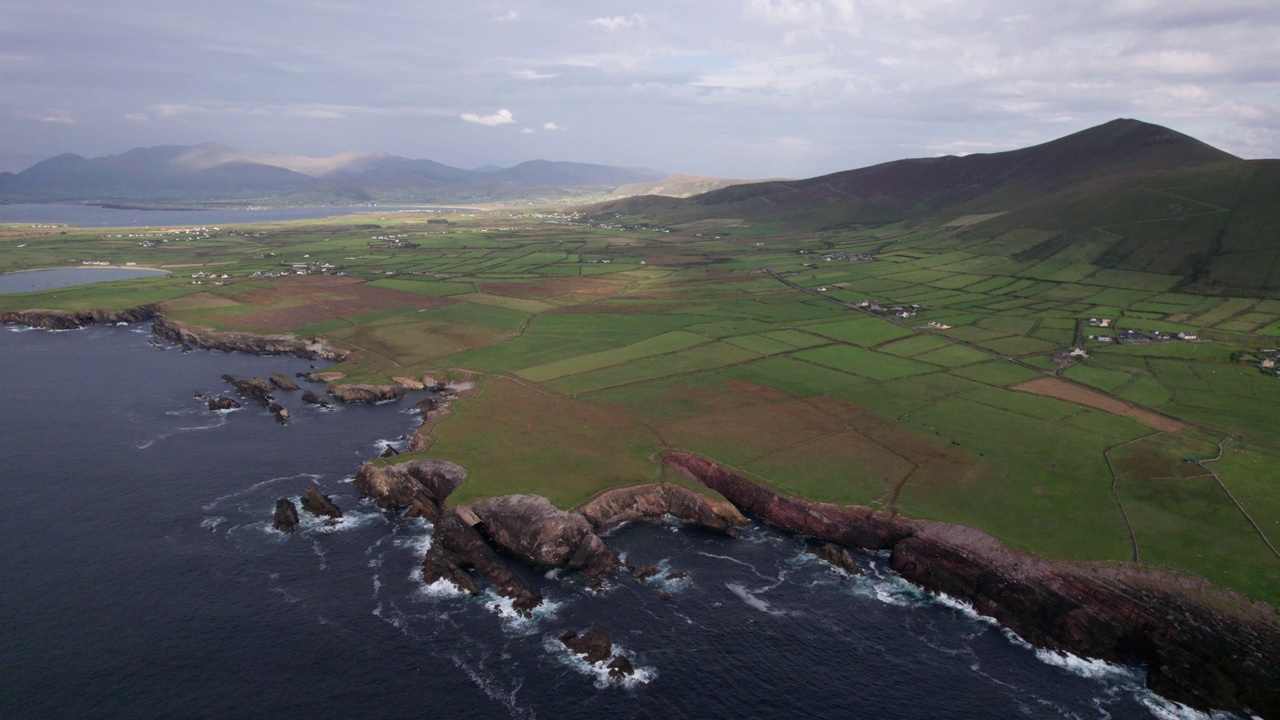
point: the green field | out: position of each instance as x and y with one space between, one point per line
588 370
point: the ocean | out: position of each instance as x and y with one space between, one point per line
141 578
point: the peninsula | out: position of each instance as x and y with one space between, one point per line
1043 381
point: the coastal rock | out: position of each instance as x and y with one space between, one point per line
280 412
1202 646
60 320
222 402
644 572
425 406
323 376
420 485
244 342
389 452
620 667
284 382
285 518
836 556
364 393
311 398
256 390
408 383
653 502
456 546
319 504
595 644
531 528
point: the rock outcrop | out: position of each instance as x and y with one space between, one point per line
1202 646
285 518
537 532
256 389
319 504
311 398
61 320
419 485
655 501
284 382
408 383
837 557
456 545
363 393
244 342
222 402
596 646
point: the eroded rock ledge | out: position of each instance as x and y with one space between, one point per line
1202 646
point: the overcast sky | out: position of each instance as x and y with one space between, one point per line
734 88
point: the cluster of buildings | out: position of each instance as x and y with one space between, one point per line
1140 336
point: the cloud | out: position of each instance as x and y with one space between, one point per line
533 75
527 131
508 16
502 117
551 126
618 22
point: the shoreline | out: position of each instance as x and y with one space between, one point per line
1200 645
88 267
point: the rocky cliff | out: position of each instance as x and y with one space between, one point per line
361 393
1202 646
245 342
61 320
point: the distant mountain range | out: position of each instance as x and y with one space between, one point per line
1126 195
216 172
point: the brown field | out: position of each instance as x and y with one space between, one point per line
295 302
1063 390
554 286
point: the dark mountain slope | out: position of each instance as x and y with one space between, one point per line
923 187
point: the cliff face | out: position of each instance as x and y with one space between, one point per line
360 393
539 533
1202 646
244 342
60 320
419 485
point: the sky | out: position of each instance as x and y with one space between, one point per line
731 88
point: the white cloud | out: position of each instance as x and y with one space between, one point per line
618 22
508 16
533 75
502 117
527 131
57 119
551 126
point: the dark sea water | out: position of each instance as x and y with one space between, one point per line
140 578
95 216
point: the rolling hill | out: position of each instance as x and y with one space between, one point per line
1126 195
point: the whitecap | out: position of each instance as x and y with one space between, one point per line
438 590
320 553
515 622
751 600
212 523
257 486
1165 709
1092 668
